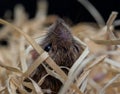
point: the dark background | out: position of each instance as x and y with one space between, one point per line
65 8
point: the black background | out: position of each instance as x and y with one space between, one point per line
65 8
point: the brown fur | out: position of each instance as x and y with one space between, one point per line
62 48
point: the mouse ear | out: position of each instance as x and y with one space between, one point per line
60 26
60 29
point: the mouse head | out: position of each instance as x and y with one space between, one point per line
60 45
59 36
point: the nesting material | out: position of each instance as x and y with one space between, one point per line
96 71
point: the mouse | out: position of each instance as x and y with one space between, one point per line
63 48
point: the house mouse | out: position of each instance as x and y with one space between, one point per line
62 48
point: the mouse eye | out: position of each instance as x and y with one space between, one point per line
48 47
